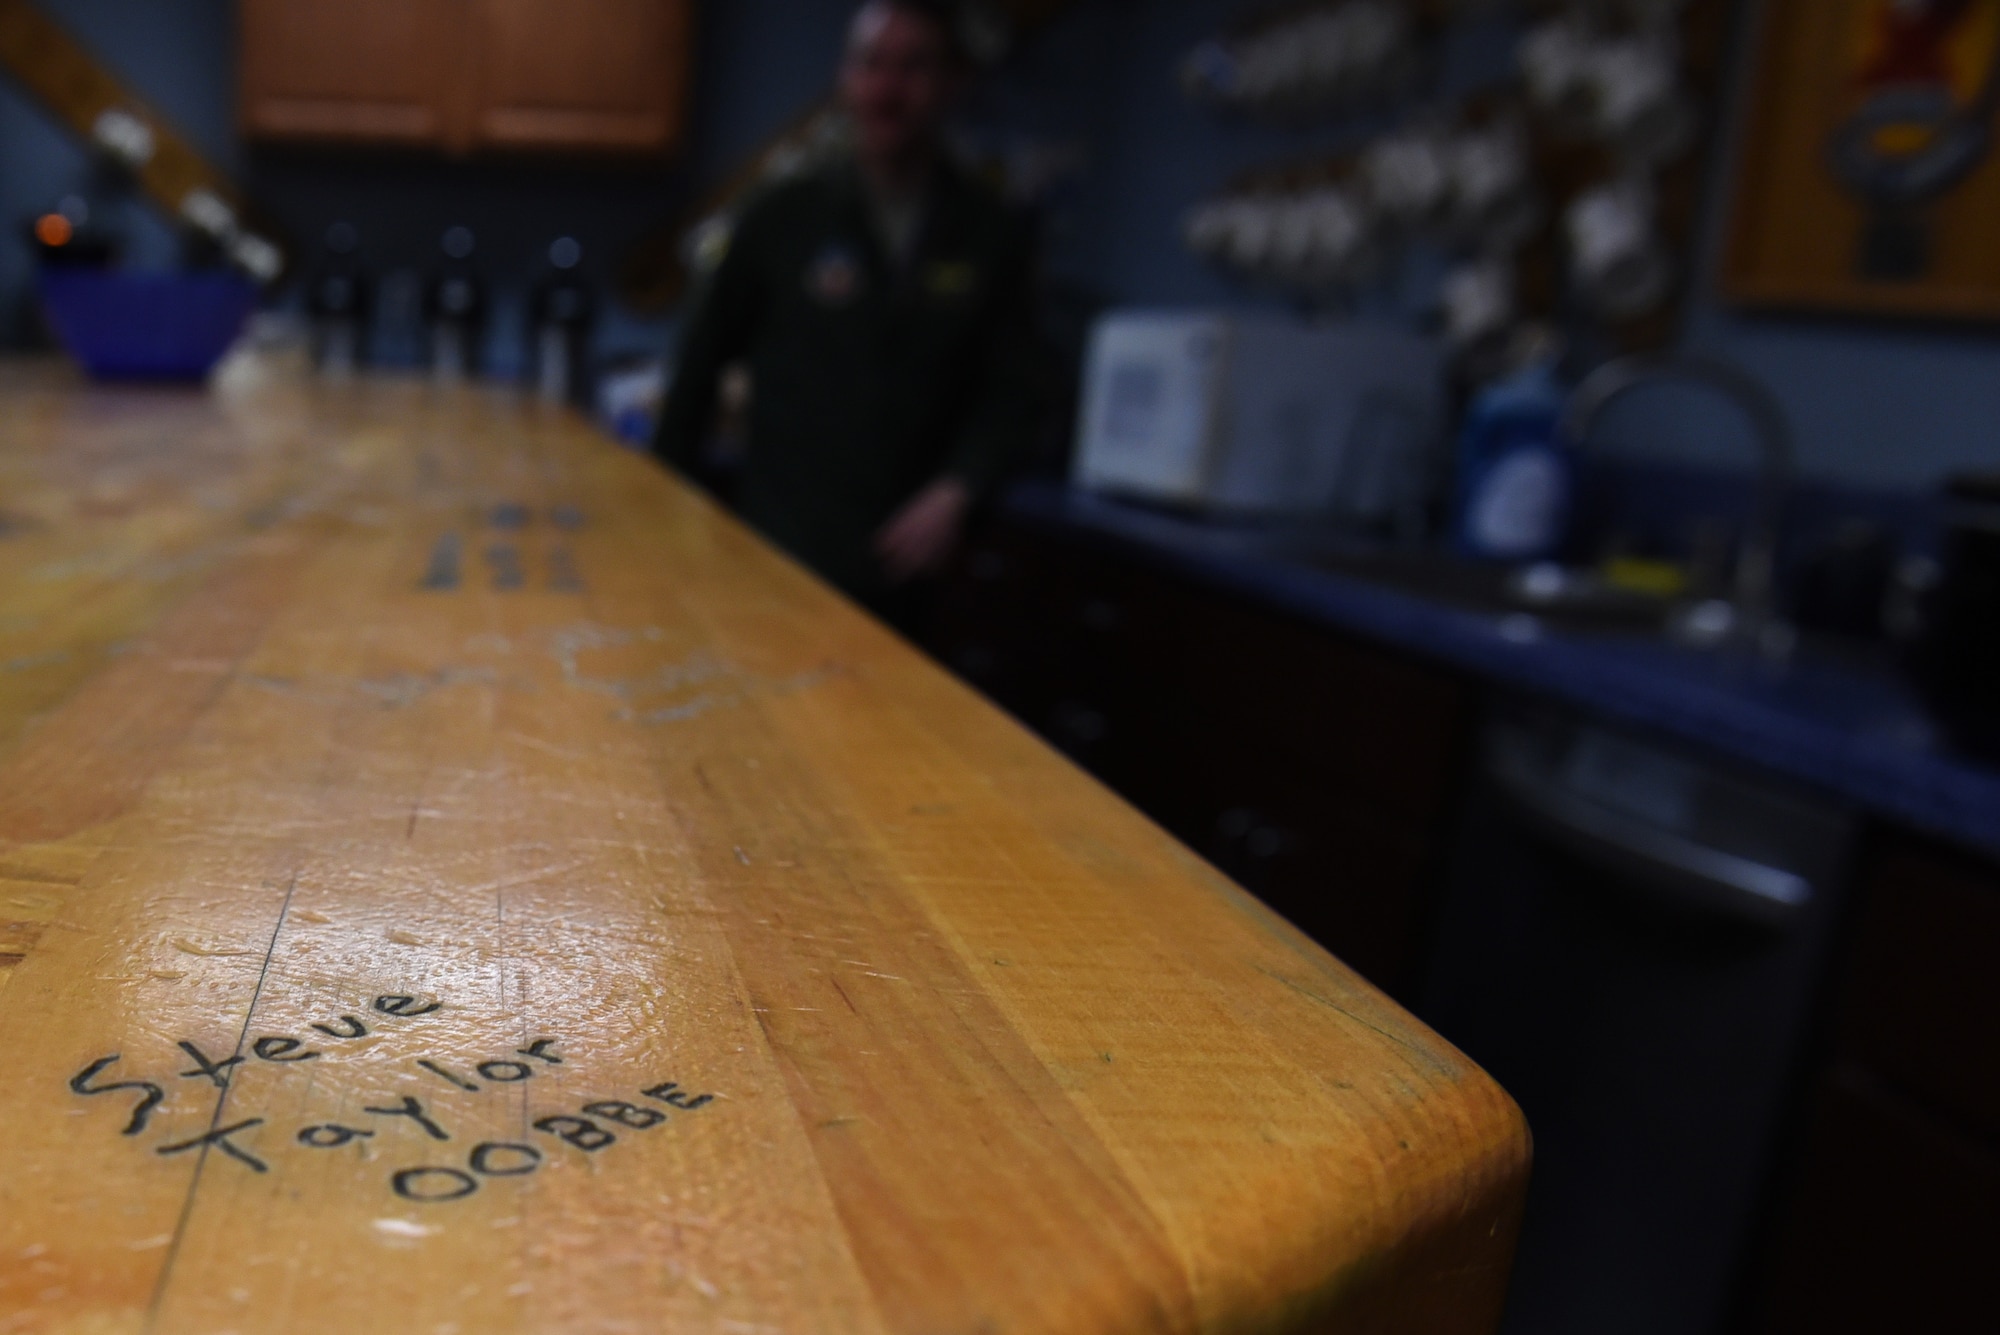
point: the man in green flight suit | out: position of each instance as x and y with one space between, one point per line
883 305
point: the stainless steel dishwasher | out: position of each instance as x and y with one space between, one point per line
1629 940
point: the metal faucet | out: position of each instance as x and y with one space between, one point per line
1751 613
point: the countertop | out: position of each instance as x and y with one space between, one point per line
453 877
1845 728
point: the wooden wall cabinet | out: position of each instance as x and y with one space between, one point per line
464 76
376 71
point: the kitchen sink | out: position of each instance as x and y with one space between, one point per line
1564 598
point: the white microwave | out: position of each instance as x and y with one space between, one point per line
1258 413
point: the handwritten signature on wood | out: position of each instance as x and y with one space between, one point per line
586 1129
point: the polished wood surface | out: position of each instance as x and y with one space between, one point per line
454 879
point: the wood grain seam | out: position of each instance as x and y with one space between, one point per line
215 1119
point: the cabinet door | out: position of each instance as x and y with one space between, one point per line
1890 1227
360 71
581 74
1921 991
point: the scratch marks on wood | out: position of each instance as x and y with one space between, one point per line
563 574
206 950
402 689
1429 1059
503 563
569 647
215 1119
615 663
511 525
442 573
29 662
546 747
25 914
397 690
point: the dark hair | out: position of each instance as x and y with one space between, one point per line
948 18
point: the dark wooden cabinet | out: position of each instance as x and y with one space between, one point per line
1313 769
1323 773
1890 1224
374 71
1886 1220
600 76
1921 1008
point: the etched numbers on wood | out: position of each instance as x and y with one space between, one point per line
625 1114
441 575
506 565
578 1131
503 1159
503 559
433 1184
489 1158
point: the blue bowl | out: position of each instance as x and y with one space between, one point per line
146 326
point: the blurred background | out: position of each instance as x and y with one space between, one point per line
1519 491
1092 108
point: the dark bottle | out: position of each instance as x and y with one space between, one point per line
1957 656
338 301
455 308
559 312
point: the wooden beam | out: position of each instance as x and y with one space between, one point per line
88 99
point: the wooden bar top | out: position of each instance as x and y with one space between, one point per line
455 879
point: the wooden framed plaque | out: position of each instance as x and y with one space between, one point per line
1870 181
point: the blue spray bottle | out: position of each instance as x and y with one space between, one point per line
1516 475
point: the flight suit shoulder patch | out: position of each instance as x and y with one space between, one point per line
835 276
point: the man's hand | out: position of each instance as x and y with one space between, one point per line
920 537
